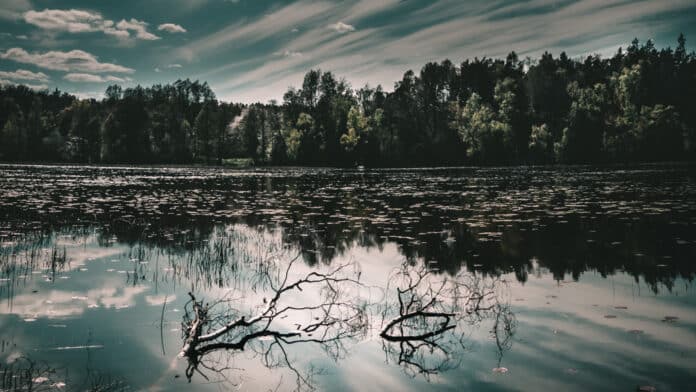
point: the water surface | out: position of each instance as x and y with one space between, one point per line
590 270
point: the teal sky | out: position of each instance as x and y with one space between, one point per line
252 50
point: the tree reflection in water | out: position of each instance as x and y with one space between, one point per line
422 327
427 335
316 308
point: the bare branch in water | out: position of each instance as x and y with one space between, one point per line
327 315
432 310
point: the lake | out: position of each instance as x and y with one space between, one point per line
493 279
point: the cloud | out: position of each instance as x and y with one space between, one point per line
72 61
23 74
174 66
405 35
73 21
139 27
80 21
89 94
341 27
290 53
171 28
12 9
277 22
91 78
5 82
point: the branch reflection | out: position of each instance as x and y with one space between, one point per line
317 308
425 324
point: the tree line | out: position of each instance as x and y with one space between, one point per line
636 106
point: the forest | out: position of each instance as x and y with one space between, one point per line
637 106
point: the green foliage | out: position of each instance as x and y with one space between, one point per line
485 132
541 148
357 125
583 135
238 162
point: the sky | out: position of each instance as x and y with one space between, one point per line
253 50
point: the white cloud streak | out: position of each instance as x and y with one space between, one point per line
91 78
138 27
12 9
23 74
381 52
71 61
80 21
341 27
171 28
278 22
5 82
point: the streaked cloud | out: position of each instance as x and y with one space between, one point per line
138 27
23 74
5 82
341 27
80 21
91 78
171 28
289 53
71 61
12 9
252 51
395 36
279 21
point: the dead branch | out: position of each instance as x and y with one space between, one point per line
422 336
326 315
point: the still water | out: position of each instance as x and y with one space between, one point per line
500 279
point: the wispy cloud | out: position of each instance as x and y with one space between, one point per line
278 21
80 21
5 82
23 74
12 9
91 78
341 27
289 53
138 27
171 28
255 50
71 61
413 33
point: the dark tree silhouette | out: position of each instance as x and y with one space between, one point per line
634 106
